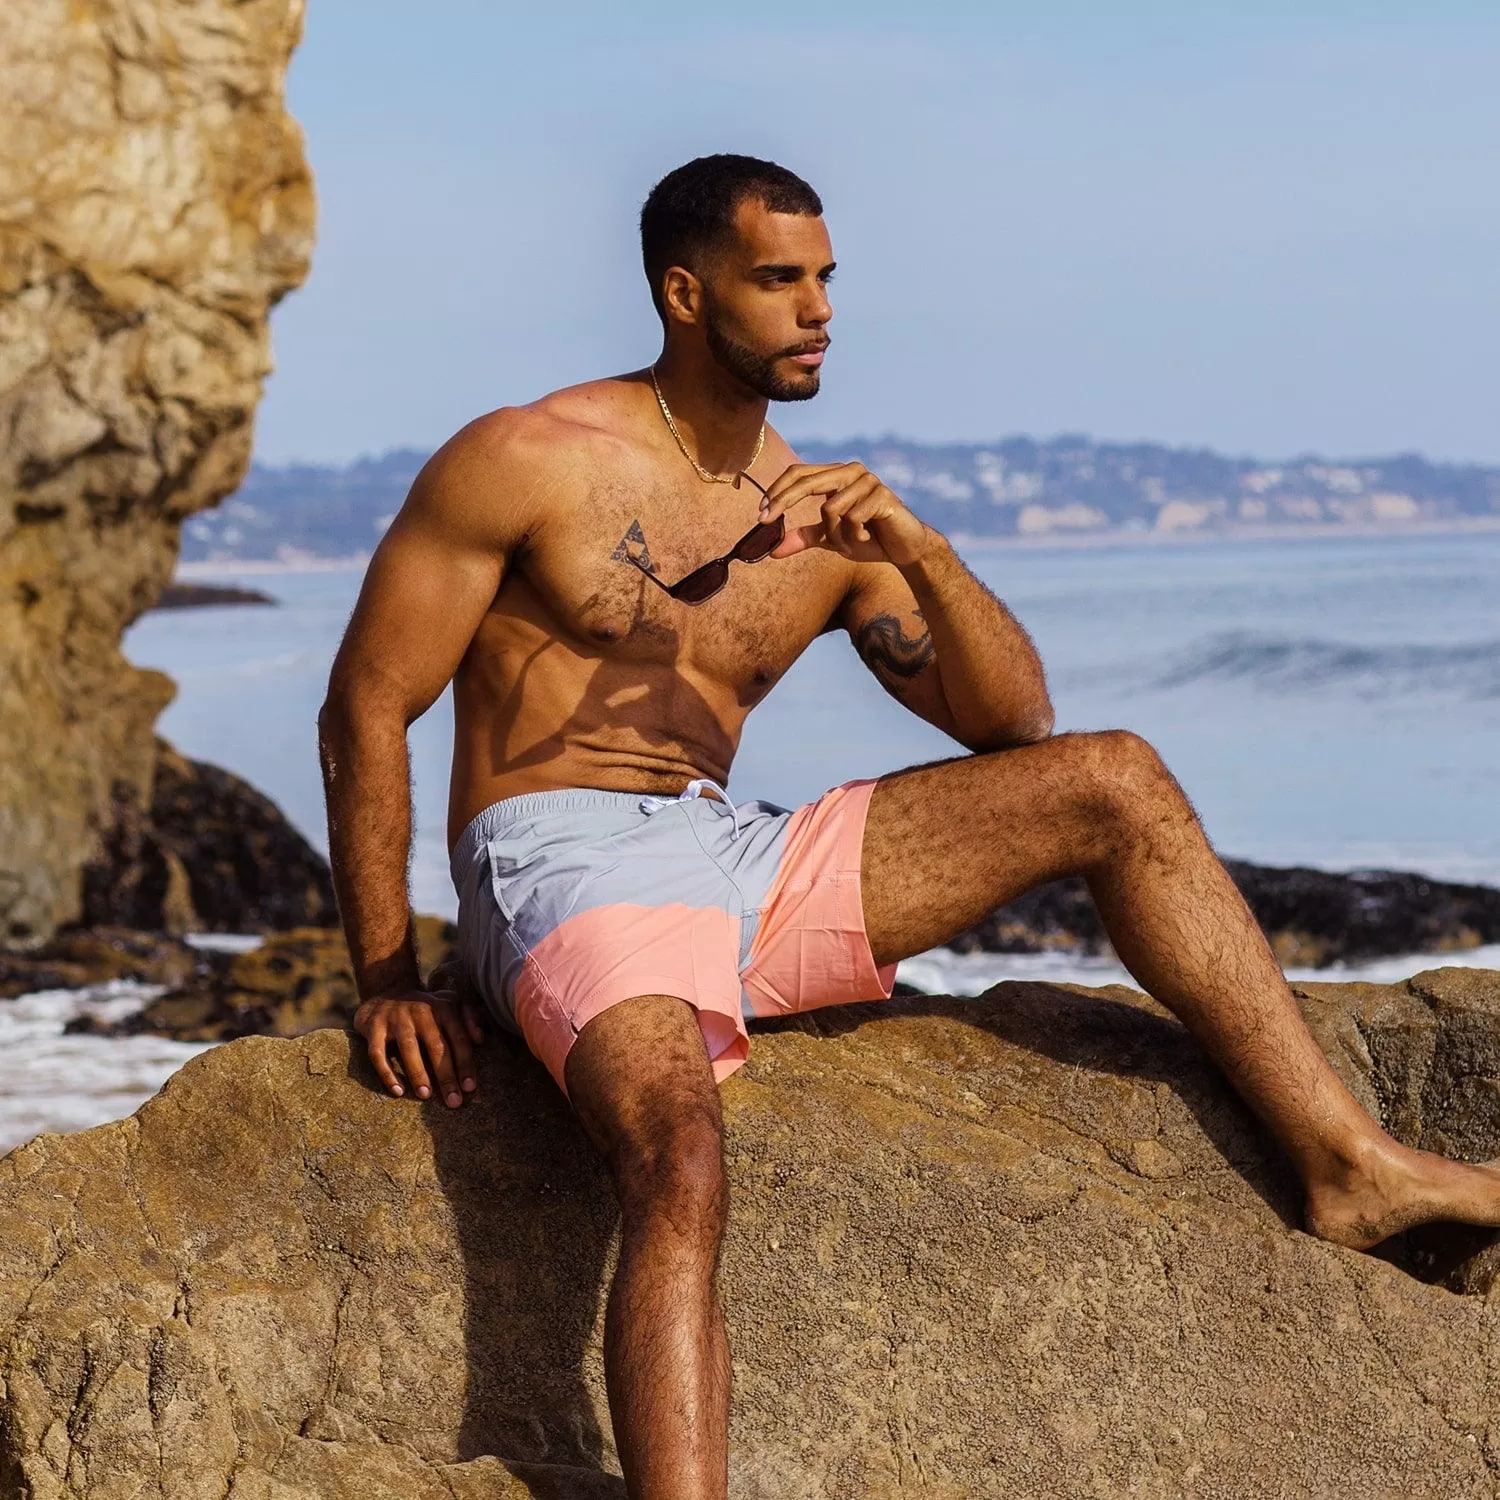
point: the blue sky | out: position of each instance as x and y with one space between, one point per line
1269 228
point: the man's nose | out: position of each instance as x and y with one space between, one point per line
817 310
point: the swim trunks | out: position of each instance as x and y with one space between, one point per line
570 902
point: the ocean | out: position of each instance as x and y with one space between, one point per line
1332 702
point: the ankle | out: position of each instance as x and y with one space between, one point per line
1346 1162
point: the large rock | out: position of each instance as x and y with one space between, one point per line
1027 1245
208 853
154 204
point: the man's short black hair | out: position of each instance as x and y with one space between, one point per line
692 208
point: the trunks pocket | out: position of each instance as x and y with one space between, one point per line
512 860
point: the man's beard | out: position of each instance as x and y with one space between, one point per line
759 371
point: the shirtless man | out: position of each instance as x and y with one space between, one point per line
620 913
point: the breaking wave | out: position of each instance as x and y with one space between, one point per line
1282 664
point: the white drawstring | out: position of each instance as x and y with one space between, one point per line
696 788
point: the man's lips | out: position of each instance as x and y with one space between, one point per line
811 358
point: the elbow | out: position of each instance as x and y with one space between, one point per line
1028 727
347 714
1037 718
334 719
334 734
1039 724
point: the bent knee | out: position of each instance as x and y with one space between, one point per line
1125 774
676 1169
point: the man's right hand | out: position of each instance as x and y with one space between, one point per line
430 1033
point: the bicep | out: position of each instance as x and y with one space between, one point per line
892 639
427 589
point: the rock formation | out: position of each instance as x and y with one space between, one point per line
293 983
98 955
216 855
154 204
208 853
1313 918
1027 1245
208 596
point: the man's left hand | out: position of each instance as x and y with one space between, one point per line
861 519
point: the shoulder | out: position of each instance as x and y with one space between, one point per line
500 474
495 450
539 445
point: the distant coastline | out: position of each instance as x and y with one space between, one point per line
1067 491
1295 532
216 567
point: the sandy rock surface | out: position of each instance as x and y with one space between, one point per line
1026 1245
154 205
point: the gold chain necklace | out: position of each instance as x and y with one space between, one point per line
703 473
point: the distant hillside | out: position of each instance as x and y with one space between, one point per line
1018 486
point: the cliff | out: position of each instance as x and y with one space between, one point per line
1027 1245
154 205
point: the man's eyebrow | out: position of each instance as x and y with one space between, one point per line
771 268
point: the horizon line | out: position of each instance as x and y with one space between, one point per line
1064 435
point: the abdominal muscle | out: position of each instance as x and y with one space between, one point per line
556 715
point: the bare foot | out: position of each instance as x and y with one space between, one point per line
1397 1188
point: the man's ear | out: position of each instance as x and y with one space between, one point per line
682 296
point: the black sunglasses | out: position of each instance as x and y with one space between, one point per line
703 583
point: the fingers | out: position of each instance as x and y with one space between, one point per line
854 497
801 480
860 513
433 1039
843 533
799 539
844 527
377 1037
835 531
455 1028
409 1047
437 1043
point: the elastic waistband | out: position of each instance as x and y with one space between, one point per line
532 805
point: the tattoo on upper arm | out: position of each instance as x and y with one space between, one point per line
892 655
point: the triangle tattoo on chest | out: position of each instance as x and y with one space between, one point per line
627 551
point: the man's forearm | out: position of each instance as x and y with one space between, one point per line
991 674
366 777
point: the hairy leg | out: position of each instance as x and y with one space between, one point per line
640 1080
945 844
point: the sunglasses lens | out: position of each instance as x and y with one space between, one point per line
762 541
702 584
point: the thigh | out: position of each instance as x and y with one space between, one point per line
640 1079
945 844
